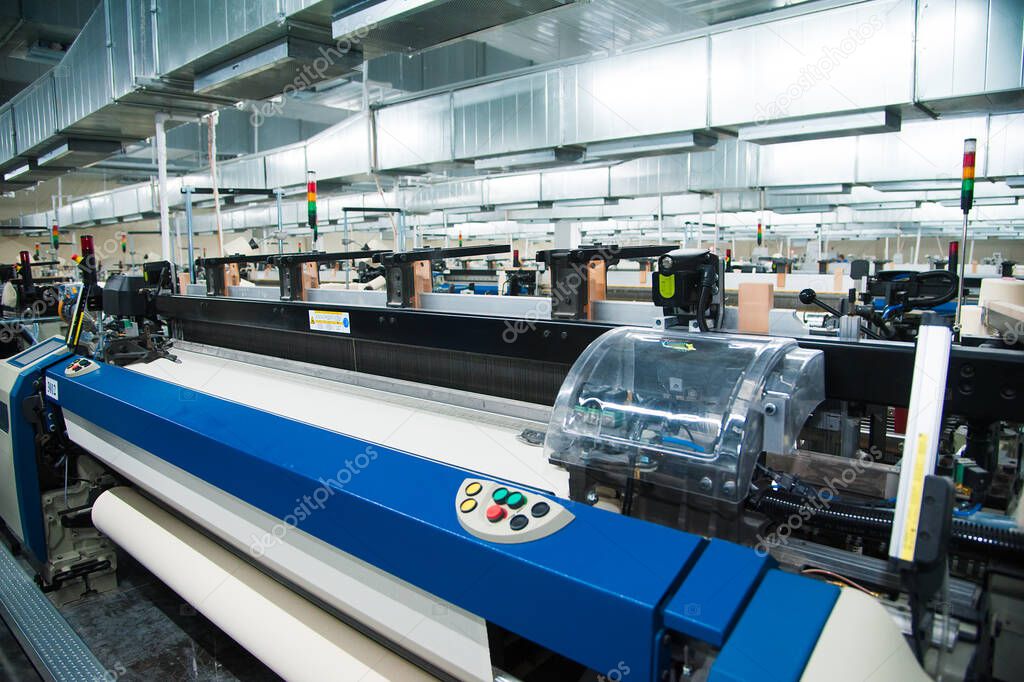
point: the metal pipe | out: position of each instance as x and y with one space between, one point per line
961 289
347 265
189 228
278 194
165 215
212 145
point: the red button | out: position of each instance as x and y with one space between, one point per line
496 513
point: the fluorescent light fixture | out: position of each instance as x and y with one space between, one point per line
810 189
652 145
1016 182
982 201
524 206
108 221
917 186
579 203
538 159
39 53
842 125
249 198
17 172
815 208
78 153
55 154
463 210
885 205
131 218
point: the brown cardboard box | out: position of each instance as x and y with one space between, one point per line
756 303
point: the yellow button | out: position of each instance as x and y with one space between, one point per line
473 489
468 506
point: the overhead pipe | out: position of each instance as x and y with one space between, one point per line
166 251
211 121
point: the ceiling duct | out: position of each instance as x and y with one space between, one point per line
415 25
267 70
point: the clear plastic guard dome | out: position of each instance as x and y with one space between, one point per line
682 410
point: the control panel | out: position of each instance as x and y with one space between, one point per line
498 513
80 367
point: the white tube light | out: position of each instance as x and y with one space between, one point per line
842 125
17 172
810 189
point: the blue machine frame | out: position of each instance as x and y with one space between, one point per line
602 591
30 365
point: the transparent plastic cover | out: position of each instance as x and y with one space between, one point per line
682 410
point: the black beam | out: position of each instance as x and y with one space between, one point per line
313 257
401 257
228 191
984 383
239 259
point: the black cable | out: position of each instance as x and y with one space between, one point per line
967 536
702 309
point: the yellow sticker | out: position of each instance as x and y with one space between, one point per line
913 511
667 286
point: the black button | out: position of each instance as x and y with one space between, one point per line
84 363
540 510
519 522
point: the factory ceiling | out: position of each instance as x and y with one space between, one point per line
603 100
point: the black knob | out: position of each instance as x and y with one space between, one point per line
808 296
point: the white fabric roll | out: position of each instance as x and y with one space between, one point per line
10 295
296 639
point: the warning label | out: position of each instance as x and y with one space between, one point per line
328 321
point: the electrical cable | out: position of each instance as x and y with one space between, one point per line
841 578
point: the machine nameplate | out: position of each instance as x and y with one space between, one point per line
51 388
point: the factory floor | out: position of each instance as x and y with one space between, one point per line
143 631
14 664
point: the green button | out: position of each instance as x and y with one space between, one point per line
501 495
516 500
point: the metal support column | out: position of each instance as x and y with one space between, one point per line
190 231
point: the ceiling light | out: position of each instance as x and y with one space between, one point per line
539 159
810 189
917 186
842 125
653 145
885 205
17 172
578 203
